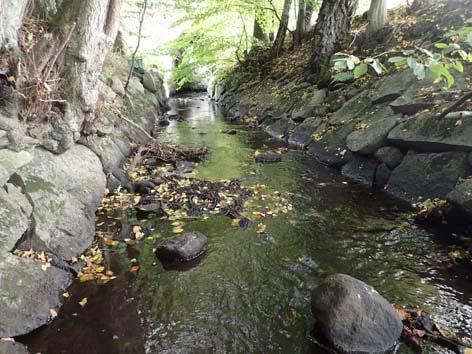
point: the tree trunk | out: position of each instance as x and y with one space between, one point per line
300 22
377 16
308 15
11 18
333 24
86 54
283 27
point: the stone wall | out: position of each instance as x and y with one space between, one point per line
48 200
386 135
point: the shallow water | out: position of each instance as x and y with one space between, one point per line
251 293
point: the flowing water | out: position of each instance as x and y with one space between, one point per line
251 293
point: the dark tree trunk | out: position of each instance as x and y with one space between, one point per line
333 24
377 15
259 34
300 22
308 15
283 27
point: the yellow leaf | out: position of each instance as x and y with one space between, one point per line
66 295
459 123
83 302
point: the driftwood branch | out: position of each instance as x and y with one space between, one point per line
455 105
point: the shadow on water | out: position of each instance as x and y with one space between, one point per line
251 294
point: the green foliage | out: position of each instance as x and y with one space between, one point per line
437 65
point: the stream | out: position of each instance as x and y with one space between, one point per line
251 292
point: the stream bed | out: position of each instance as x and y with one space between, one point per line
251 291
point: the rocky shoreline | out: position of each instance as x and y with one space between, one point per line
49 198
385 135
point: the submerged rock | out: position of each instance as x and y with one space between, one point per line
268 157
353 317
183 248
361 170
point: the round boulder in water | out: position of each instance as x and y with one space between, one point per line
183 248
353 318
268 157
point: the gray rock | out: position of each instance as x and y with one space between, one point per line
268 157
389 155
4 141
303 134
153 81
367 141
184 167
309 104
352 108
15 211
429 134
382 175
183 248
279 129
470 159
65 191
393 87
409 104
28 294
117 85
462 195
427 175
106 92
135 88
353 317
331 149
361 170
13 348
11 161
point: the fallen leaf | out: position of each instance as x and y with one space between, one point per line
135 269
83 302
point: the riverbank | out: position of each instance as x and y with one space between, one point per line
52 184
384 133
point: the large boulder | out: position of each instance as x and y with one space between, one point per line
65 191
8 347
390 156
183 248
302 134
116 85
393 86
353 317
279 128
371 137
10 162
427 133
423 176
28 294
153 81
330 148
361 170
308 105
461 196
352 108
268 157
15 211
